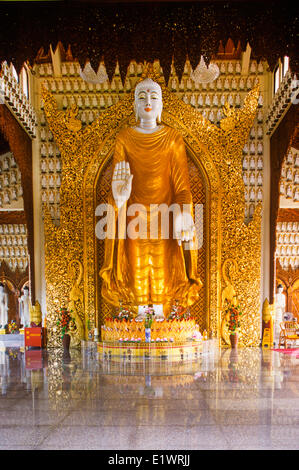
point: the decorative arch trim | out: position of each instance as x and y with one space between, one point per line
212 182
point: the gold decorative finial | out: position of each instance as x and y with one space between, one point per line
152 70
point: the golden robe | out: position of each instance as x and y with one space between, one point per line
151 270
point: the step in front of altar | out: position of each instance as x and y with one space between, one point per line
189 350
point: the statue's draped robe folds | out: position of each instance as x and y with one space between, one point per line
151 269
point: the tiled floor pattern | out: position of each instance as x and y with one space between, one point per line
229 400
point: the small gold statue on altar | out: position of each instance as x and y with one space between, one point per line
150 266
35 314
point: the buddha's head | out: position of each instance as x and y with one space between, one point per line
148 103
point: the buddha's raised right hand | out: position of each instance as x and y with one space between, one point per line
121 183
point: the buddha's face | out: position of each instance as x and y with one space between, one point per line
148 102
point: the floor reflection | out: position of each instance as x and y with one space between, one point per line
242 399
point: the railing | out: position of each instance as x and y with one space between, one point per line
13 96
286 95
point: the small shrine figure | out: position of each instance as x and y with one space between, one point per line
13 178
226 84
24 302
230 68
80 102
6 180
200 100
280 304
50 150
282 188
35 315
289 193
51 166
58 165
259 195
5 166
44 181
289 175
6 197
260 163
238 101
252 178
14 196
3 306
242 84
260 179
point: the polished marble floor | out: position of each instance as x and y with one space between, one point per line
227 400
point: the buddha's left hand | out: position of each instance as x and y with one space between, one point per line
184 228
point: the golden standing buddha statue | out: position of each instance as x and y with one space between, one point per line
150 169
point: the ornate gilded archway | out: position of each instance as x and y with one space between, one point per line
216 150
